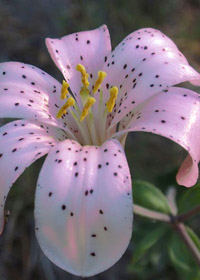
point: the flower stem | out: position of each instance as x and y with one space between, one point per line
187 215
151 214
182 231
176 223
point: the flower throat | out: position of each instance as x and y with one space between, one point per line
84 116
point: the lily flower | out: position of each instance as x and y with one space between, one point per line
83 201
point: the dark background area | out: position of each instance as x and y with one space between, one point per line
24 24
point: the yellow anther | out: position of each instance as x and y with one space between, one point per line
64 90
86 108
81 68
98 82
111 101
84 74
63 110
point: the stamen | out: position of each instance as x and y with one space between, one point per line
84 74
98 82
111 101
64 90
63 110
84 92
94 129
87 107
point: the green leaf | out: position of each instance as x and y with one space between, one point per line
194 237
148 241
190 199
182 258
150 197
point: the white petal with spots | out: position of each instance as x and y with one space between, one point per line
21 143
30 93
30 89
173 114
83 206
89 48
144 63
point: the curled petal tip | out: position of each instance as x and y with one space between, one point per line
188 173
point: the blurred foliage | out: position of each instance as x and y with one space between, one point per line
156 245
24 25
150 197
190 199
182 259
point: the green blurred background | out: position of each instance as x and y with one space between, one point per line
24 24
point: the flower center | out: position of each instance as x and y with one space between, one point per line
90 118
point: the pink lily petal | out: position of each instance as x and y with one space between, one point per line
30 93
83 206
145 63
173 114
21 143
89 48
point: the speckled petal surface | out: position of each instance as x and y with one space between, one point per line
26 92
144 63
89 48
83 206
30 93
21 143
174 114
